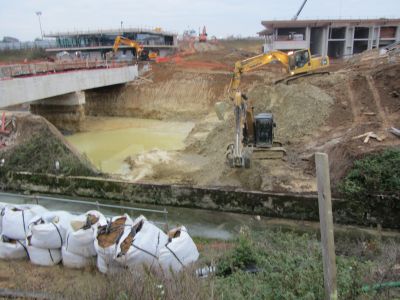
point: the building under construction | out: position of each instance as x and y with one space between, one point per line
95 44
335 38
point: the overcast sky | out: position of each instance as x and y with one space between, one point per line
222 17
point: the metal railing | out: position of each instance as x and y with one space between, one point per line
97 204
43 68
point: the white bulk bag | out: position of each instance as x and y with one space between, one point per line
179 251
16 220
145 241
12 249
81 242
46 235
107 264
63 218
106 252
80 238
71 260
44 257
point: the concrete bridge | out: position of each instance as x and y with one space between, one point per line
60 96
62 87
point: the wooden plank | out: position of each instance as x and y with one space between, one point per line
326 225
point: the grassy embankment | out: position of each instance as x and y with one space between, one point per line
39 154
288 266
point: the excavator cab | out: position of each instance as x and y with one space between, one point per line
264 130
299 61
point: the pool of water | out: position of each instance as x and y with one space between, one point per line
108 141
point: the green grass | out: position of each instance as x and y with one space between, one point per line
290 267
289 264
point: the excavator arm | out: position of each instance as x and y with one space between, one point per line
253 63
125 41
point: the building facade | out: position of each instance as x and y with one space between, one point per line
335 38
95 44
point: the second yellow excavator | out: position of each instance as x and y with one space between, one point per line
139 49
254 135
125 41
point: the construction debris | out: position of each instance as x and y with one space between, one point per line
395 131
6 124
369 135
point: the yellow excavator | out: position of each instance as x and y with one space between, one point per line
140 52
254 135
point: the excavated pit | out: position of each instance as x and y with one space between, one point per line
316 113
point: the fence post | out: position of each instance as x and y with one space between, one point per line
326 225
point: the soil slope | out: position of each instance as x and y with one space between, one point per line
316 113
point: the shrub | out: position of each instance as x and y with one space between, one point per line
39 154
375 174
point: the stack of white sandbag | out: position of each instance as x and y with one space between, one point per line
179 252
14 221
46 237
107 235
78 249
140 245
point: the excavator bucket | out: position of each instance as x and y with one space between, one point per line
220 109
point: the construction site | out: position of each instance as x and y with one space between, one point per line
152 119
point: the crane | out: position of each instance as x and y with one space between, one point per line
255 134
203 35
299 11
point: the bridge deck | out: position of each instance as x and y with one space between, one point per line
14 91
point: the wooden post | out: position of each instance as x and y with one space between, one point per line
326 224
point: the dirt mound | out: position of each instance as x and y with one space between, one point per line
299 109
205 47
35 146
388 83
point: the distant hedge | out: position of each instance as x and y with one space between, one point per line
375 174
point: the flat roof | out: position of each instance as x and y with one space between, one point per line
107 48
118 31
271 24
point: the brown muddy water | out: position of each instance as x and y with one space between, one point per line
108 141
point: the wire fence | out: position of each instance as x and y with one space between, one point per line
38 199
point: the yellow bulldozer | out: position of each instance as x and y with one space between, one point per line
254 135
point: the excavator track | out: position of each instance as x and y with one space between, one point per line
268 153
286 80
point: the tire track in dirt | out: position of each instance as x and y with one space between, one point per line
381 113
357 118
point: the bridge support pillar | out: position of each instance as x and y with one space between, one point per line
66 112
